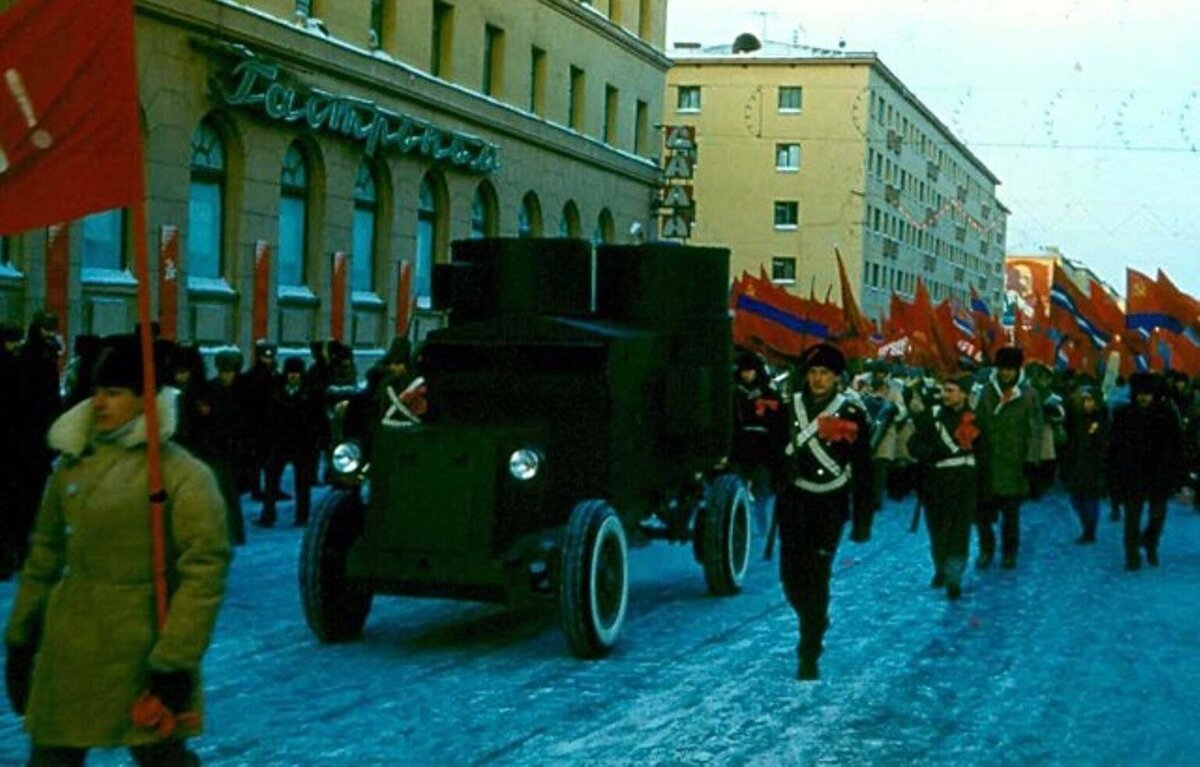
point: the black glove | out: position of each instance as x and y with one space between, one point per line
173 688
18 672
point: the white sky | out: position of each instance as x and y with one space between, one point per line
1087 111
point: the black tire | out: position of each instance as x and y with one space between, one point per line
723 532
335 607
593 588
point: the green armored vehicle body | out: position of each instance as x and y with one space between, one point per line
557 434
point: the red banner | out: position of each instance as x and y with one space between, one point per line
70 137
168 281
404 299
262 285
337 299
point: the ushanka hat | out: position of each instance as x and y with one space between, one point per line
1143 383
824 356
1010 357
119 362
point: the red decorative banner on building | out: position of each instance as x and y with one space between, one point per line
337 299
262 284
404 299
58 258
168 281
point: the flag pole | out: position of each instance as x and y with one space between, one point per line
141 265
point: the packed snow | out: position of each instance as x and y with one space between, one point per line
1068 659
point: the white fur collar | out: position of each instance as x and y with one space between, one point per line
72 430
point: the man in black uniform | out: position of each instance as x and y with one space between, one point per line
826 482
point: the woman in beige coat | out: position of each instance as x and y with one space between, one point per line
83 645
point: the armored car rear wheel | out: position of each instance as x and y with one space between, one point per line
593 589
335 607
723 535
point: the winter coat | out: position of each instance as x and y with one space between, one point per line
760 427
299 424
1085 453
89 582
1012 427
1145 455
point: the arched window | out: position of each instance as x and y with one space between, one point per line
206 204
104 240
529 217
568 225
293 216
483 212
428 223
366 217
604 228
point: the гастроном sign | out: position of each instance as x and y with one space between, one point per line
258 84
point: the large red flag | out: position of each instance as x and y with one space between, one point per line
1147 305
1106 309
70 138
1183 306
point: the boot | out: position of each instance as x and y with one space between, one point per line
1152 556
1133 561
938 581
953 591
808 670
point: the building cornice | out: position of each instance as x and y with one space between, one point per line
611 31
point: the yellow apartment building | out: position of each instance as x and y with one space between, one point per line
299 152
801 151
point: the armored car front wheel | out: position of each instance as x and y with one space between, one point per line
335 607
723 535
593 589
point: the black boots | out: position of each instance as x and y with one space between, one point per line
953 591
808 670
938 581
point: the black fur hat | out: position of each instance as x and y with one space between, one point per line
119 362
1010 357
293 365
824 356
1144 383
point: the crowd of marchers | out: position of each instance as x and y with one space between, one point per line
87 664
823 446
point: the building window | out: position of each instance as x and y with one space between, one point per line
688 99
645 26
575 102
493 61
611 101
206 204
787 215
293 217
429 212
787 157
303 7
104 240
568 225
366 217
537 81
791 98
614 10
442 44
641 135
783 269
379 22
483 212
5 256
529 216
605 228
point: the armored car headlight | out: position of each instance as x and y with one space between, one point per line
523 464
346 458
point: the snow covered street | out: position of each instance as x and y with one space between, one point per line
1068 659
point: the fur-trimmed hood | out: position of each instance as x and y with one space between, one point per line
72 431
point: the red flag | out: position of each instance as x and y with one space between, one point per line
1148 306
1106 309
1183 306
70 137
404 299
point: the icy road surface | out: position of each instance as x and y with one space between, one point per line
1066 660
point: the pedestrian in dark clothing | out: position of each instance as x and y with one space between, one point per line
760 430
1085 452
77 380
41 403
826 482
1145 465
11 437
299 427
947 442
255 388
1010 416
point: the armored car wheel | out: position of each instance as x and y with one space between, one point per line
723 535
335 607
593 588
